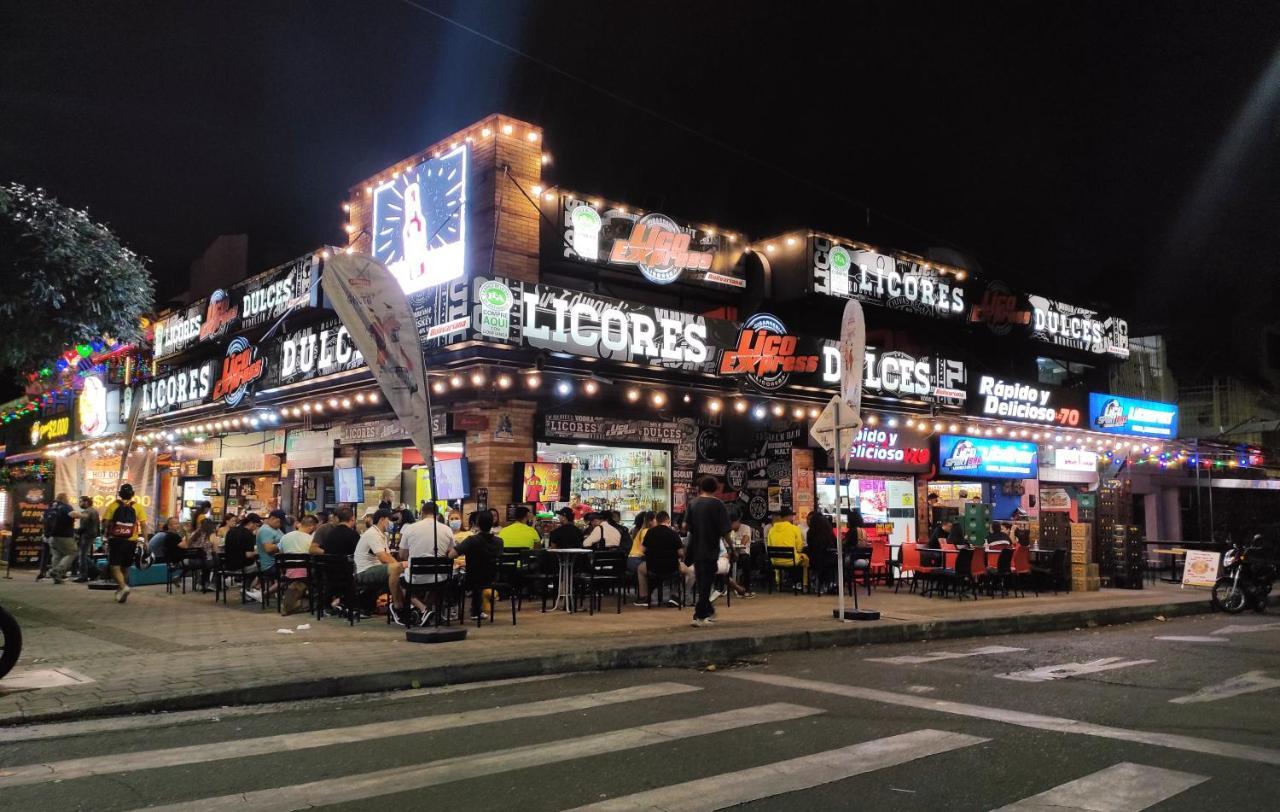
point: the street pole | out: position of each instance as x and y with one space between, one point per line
838 453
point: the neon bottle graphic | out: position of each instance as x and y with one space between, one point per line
414 234
586 232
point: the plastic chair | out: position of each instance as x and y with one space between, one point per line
334 576
1021 568
294 568
428 574
607 568
785 559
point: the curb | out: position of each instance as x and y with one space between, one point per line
648 655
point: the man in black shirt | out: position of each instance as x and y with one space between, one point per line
482 549
662 547
337 539
567 536
241 546
708 521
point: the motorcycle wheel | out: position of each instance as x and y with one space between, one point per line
1231 599
10 641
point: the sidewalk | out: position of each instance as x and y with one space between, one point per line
170 652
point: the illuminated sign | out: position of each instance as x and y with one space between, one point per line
1000 309
994 396
177 331
891 281
766 354
240 368
1078 328
888 449
900 374
91 408
1075 459
268 296
660 249
312 352
189 386
221 313
986 458
1112 414
419 222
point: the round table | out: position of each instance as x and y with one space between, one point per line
564 589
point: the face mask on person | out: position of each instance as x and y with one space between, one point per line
455 524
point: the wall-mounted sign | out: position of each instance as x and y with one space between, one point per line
495 309
386 431
985 458
897 282
995 396
266 297
1075 459
886 449
897 374
240 369
1113 414
1078 327
220 315
50 430
570 426
312 352
179 330
420 222
660 248
93 410
766 354
1001 309
189 385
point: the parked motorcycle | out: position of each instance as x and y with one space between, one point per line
1246 579
10 641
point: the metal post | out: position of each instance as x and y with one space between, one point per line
838 453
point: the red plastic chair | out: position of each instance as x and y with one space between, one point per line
879 560
1021 567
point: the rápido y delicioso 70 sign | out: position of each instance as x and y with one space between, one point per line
994 396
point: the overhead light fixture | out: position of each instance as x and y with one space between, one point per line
739 405
659 399
590 387
633 394
564 389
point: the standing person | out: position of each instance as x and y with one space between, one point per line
124 520
87 533
519 534
375 566
59 528
580 510
708 522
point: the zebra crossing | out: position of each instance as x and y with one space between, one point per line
1124 786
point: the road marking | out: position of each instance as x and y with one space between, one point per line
766 781
362 786
935 656
1066 670
268 745
1249 628
1124 787
58 730
1035 721
34 679
1247 683
1192 638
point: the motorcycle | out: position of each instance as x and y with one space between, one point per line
1246 580
10 641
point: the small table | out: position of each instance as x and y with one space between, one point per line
564 589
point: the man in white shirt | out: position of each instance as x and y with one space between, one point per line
429 538
740 536
376 566
601 531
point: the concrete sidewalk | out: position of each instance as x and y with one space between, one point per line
170 652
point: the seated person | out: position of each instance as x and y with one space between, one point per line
483 550
426 539
820 546
999 537
784 533
955 535
635 556
297 542
601 533
519 533
566 536
375 567
663 556
241 550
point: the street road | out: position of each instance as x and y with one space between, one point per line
1176 715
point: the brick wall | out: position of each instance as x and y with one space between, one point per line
489 458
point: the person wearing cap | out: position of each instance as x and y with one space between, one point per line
566 536
122 539
784 533
376 567
367 519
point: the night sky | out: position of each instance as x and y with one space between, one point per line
1117 154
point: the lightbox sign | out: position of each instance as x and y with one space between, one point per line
92 410
999 397
262 299
1078 328
766 354
897 374
240 369
312 352
986 459
178 331
419 222
1075 459
1113 414
661 248
900 283
889 449
179 388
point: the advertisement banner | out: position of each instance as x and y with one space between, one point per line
572 426
897 282
1113 414
985 458
420 222
898 450
99 478
30 500
1201 568
1001 397
371 305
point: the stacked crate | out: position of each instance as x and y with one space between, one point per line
1084 573
1115 509
1125 554
977 523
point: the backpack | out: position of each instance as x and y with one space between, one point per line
123 523
51 519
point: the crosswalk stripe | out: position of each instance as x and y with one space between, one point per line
1064 670
936 656
1125 787
115 724
1247 683
359 787
1035 721
744 786
268 745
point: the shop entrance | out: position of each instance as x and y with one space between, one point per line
625 479
882 500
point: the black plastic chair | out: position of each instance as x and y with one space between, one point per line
334 576
429 574
1052 574
958 576
659 576
1002 573
607 568
192 563
785 555
293 562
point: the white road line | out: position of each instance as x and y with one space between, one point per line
744 786
349 789
1249 628
1125 787
1064 670
1192 638
935 656
1035 721
58 730
269 745
1247 683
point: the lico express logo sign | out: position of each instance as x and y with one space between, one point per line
766 354
660 249
218 318
240 369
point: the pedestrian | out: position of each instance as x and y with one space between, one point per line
125 521
87 536
59 529
708 523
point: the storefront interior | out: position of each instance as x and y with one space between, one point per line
882 500
626 479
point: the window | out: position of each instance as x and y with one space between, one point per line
1053 372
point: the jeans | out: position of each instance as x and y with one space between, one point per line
64 553
85 561
704 573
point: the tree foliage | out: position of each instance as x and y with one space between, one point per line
64 279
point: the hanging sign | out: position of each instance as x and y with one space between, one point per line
997 396
896 282
986 458
1113 414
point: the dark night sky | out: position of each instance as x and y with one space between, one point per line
1061 144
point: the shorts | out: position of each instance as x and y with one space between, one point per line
634 562
374 576
120 552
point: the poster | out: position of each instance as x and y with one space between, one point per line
1056 500
99 478
31 499
1201 568
541 482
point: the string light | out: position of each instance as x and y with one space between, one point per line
373 397
659 399
477 378
778 410
758 412
590 387
633 394
534 381
438 387
504 381
714 404
564 389
739 405
814 411
455 381
687 398
798 412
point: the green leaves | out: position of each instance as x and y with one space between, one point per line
64 280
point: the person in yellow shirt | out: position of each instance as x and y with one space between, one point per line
644 520
784 533
123 523
519 534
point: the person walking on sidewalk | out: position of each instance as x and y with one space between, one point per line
87 534
708 522
125 521
59 527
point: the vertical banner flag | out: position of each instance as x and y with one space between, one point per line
853 347
373 308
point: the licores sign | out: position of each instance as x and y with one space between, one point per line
184 387
994 396
177 331
419 222
903 284
593 329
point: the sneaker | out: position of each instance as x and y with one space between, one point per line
673 603
253 595
425 618
698 624
715 595
709 618
395 614
644 603
122 595
748 594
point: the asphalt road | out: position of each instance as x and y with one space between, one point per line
1119 718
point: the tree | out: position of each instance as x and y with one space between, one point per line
64 280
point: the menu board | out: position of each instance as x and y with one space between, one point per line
30 500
